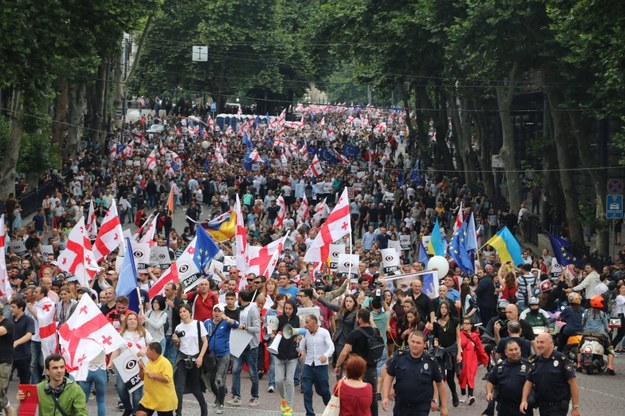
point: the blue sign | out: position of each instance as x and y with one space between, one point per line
614 207
213 107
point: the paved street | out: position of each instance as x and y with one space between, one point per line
600 395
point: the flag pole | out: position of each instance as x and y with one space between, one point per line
351 252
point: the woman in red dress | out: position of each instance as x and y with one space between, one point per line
472 352
356 395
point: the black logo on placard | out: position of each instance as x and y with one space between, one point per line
348 264
389 258
138 253
131 364
161 256
335 254
183 268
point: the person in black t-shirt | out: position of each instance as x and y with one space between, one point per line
24 329
448 346
422 303
6 358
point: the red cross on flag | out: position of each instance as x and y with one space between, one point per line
5 285
110 234
150 162
315 168
45 326
148 235
77 258
263 260
181 269
279 221
91 224
84 335
337 225
302 211
459 219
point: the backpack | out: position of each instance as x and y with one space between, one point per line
375 347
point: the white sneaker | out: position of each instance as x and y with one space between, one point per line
234 402
253 403
271 389
463 398
220 410
471 400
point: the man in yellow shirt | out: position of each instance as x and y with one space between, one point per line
159 393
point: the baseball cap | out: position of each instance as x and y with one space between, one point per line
219 307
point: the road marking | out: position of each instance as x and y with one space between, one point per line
603 393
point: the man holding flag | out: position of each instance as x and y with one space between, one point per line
203 299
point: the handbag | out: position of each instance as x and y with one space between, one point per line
334 405
209 362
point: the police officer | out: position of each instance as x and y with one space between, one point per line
415 374
552 377
509 377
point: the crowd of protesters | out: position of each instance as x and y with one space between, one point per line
393 197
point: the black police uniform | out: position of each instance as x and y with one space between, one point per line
509 378
413 383
550 377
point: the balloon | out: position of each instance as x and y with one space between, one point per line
441 265
205 144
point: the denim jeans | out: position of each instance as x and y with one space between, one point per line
98 379
272 370
36 362
195 387
371 377
126 396
317 375
251 358
220 377
170 350
285 373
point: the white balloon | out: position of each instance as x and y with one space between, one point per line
205 144
441 265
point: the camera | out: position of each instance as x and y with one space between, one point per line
179 334
189 363
378 293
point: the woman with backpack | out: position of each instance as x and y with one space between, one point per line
596 321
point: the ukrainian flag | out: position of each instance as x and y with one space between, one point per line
436 246
222 227
507 246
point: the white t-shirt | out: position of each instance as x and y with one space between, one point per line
189 344
619 306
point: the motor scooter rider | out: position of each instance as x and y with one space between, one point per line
596 321
572 315
535 316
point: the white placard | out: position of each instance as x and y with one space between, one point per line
390 260
127 365
347 262
46 250
238 341
335 251
18 247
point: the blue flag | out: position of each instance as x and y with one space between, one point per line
423 254
127 283
459 252
561 251
205 249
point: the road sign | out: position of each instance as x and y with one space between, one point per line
615 186
200 54
213 107
614 207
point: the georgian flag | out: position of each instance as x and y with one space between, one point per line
151 161
85 335
261 259
341 158
254 156
279 221
240 238
182 268
46 313
113 150
315 168
127 152
110 235
283 158
148 236
304 150
302 211
6 290
321 210
459 219
77 258
380 128
336 226
91 225
219 157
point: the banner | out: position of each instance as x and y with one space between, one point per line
428 277
160 255
127 365
335 251
348 263
46 250
18 247
390 261
141 252
404 241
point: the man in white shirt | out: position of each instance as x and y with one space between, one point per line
315 348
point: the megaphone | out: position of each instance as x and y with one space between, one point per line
273 348
289 332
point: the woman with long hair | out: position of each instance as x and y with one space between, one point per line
155 320
413 323
510 287
472 353
356 395
137 340
345 322
447 341
190 338
469 304
286 359
272 313
66 305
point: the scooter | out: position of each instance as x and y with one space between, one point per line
593 357
488 340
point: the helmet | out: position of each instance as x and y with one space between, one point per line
503 304
545 286
596 302
533 301
574 298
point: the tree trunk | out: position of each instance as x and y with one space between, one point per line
588 159
8 160
76 100
484 155
59 126
462 133
565 162
505 94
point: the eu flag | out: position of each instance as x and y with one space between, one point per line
459 252
561 251
205 249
